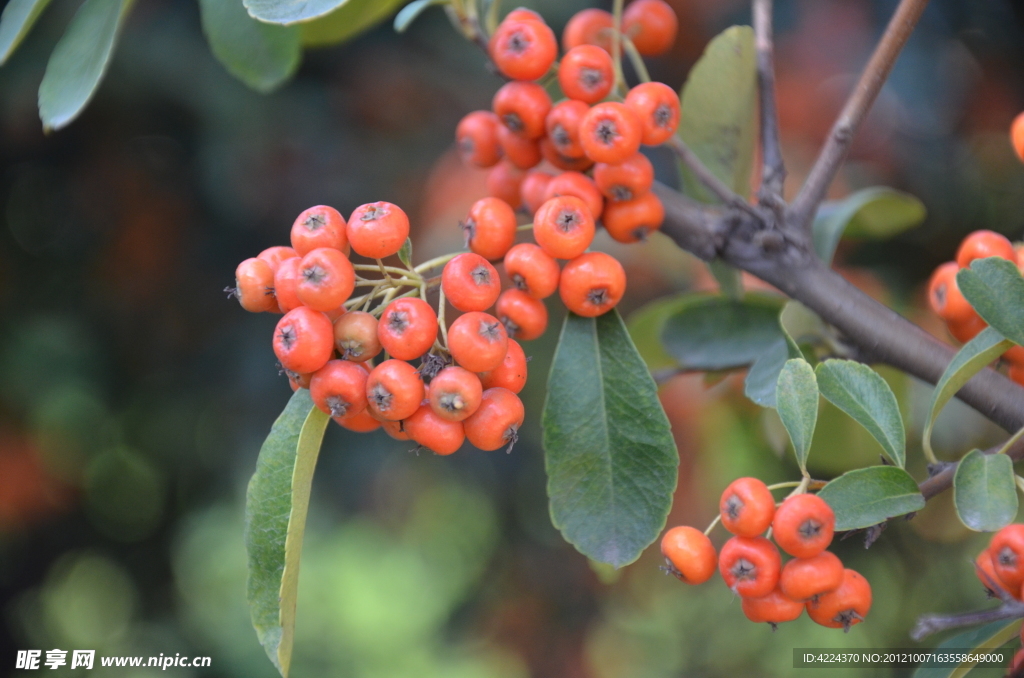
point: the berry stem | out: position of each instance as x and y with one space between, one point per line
525 227
620 78
1005 449
380 267
384 271
436 261
634 57
440 319
714 522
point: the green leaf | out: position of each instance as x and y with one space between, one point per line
988 637
263 56
868 496
275 521
645 325
411 11
405 253
797 396
984 491
609 452
291 11
17 20
730 281
995 289
347 21
720 98
874 213
969 360
80 60
763 376
862 393
718 333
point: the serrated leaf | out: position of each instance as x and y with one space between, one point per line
730 281
984 491
797 403
877 212
347 21
995 289
968 361
79 61
405 253
275 520
982 638
862 393
720 98
261 55
868 496
411 11
15 23
609 453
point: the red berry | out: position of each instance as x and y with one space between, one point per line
455 393
690 553
532 189
254 286
355 336
522 107
470 283
562 124
651 25
521 152
579 185
610 132
564 227
656 105
524 317
407 328
438 435
803 525
1007 550
981 244
626 181
394 390
523 50
774 608
586 74
804 579
496 422
303 340
503 183
750 566
378 230
476 138
319 226
944 295
532 270
286 284
589 27
339 388
845 606
275 255
326 279
359 423
747 507
477 341
592 284
1017 136
490 228
562 162
511 373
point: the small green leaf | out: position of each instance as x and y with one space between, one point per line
763 375
797 396
17 20
969 360
80 60
984 491
292 11
982 638
996 291
275 520
862 393
347 21
730 281
405 253
411 11
610 456
874 213
263 56
868 496
720 98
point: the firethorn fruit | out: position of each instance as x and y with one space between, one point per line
254 286
355 336
633 220
524 317
967 329
477 341
981 244
407 328
523 50
563 227
297 381
524 14
610 132
562 162
319 226
986 572
470 283
396 429
455 393
532 189
750 566
377 230
690 553
503 183
804 579
562 124
476 137
275 255
747 507
651 25
626 181
439 435
845 606
532 270
1007 550
656 105
521 152
586 74
522 107
496 422
303 340
1017 136
589 27
944 295
592 284
326 279
339 388
286 284
774 608
579 185
359 423
490 228
803 525
511 373
394 390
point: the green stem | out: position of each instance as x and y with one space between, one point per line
634 57
440 319
436 261
525 227
1009 443
379 267
714 522
620 78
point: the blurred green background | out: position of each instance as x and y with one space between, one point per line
134 397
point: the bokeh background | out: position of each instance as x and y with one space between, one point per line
134 397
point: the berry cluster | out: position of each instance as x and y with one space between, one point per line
1000 567
949 303
751 565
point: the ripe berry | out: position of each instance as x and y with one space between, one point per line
503 183
847 605
522 107
523 50
524 14
986 572
562 124
774 608
750 566
586 74
355 336
396 429
319 226
439 435
296 380
394 390
633 220
254 286
803 579
286 284
1007 550
455 393
981 244
477 341
562 162
511 373
275 255
470 283
626 181
589 27
803 525
407 328
490 228
690 553
944 295
532 270
563 227
476 138
610 132
303 340
496 422
339 388
592 284
651 25
524 317
966 330
326 279
531 190
1017 136
359 423
521 152
747 507
579 185
377 230
656 105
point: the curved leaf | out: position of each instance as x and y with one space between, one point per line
797 398
263 56
982 638
15 23
609 452
411 11
995 289
80 60
291 11
718 333
984 491
347 21
876 212
868 496
275 521
862 393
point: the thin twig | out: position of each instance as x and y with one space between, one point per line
706 177
773 175
933 623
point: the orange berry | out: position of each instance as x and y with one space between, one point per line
562 162
303 340
633 220
439 435
981 244
579 185
750 566
690 553
359 423
407 328
803 525
286 284
476 138
610 132
747 507
966 330
396 429
804 579
254 286
503 183
524 317
845 606
1007 551
592 284
275 255
651 25
377 230
986 572
455 393
470 283
532 189
326 279
511 373
521 152
589 27
523 50
1017 135
394 390
524 14
319 226
339 388
656 105
774 608
532 270
477 341
944 295
496 422
586 74
355 336
490 228
564 227
625 181
562 125
522 107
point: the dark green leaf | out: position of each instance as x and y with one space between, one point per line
347 21
868 496
609 452
275 521
80 60
730 281
405 253
17 20
982 638
718 333
996 291
719 98
409 13
862 393
797 397
646 323
875 213
984 491
261 55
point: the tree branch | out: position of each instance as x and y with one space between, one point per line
871 80
933 623
706 177
773 174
